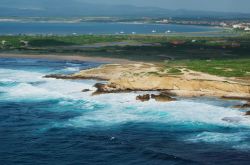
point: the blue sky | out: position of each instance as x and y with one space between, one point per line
211 5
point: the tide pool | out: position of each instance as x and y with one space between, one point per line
49 121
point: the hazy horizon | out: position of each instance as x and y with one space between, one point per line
202 5
242 6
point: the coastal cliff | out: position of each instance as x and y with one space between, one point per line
152 77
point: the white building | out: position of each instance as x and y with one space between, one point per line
247 29
223 24
163 21
239 26
3 42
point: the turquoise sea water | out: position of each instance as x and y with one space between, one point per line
96 28
49 121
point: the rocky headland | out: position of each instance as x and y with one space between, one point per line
154 77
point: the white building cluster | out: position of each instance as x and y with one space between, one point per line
242 26
163 21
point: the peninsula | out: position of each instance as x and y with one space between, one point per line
157 77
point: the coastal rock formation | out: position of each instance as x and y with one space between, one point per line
180 86
75 77
236 98
162 97
247 113
247 105
59 76
101 88
85 90
143 97
151 77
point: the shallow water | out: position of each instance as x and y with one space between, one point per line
48 121
96 28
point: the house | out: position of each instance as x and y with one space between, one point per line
247 29
3 42
163 21
239 26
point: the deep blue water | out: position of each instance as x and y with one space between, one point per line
48 121
95 28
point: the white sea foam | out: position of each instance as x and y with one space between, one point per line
9 75
27 91
242 147
28 86
124 108
72 69
121 108
238 140
215 137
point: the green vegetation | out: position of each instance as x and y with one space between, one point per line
152 48
174 71
226 68
223 56
50 41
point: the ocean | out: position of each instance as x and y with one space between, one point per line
49 121
14 28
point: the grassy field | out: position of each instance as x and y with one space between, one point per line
49 41
226 68
152 48
223 56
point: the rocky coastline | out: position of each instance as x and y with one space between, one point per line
150 77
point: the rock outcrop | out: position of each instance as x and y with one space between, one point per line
73 77
243 106
162 97
247 113
143 97
85 90
177 86
151 77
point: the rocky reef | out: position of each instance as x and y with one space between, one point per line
162 97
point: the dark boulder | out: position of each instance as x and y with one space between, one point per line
85 90
58 76
162 98
247 105
247 113
143 97
100 87
243 106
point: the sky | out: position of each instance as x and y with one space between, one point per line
208 5
203 5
